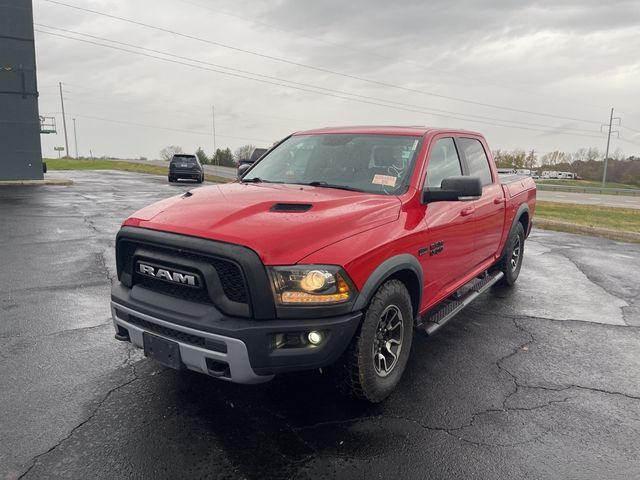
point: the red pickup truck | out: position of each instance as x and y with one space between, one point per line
328 253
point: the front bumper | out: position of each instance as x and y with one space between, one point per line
240 351
235 353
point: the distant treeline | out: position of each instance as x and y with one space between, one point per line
586 163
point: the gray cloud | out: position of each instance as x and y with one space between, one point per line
569 58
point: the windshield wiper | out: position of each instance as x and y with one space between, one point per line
324 184
258 180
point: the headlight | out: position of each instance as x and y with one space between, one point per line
310 284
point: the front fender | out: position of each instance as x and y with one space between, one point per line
385 270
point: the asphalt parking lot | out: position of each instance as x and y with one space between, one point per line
541 381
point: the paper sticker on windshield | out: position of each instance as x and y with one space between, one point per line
386 180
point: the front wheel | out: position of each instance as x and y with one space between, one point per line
511 260
373 364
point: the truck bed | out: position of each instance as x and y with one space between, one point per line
506 178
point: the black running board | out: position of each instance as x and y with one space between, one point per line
437 317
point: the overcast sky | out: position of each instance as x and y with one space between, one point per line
486 66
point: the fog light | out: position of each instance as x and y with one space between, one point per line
315 338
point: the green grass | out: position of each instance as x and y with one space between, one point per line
586 183
73 164
620 219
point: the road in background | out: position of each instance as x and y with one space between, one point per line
590 199
537 381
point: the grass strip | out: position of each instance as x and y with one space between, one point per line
73 164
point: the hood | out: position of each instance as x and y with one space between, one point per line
281 223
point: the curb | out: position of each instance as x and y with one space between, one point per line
61 182
559 226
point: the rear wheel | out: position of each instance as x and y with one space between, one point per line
373 364
511 260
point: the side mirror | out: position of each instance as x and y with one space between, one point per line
242 169
454 189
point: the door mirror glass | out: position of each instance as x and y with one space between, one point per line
454 189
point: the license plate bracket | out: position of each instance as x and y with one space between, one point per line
162 350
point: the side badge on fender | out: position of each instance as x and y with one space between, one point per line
436 248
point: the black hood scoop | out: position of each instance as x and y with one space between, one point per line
290 207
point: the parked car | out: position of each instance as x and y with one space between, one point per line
328 254
184 166
244 164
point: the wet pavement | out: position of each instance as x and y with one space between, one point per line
540 381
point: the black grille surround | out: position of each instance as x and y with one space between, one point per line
227 270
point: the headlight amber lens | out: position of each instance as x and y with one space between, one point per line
309 285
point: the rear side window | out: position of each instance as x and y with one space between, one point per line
443 162
476 160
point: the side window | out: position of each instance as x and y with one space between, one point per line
476 159
443 162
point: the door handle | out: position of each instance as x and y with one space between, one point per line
467 211
498 200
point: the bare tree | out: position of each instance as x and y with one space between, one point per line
244 152
167 153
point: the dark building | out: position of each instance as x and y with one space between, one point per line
20 151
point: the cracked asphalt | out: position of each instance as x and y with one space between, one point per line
539 381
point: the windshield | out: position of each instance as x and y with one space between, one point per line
370 163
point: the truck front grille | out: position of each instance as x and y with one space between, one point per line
229 274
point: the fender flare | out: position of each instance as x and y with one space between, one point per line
387 268
524 208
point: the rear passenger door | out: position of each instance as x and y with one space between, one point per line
490 208
447 240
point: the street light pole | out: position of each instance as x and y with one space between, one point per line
213 120
64 122
75 137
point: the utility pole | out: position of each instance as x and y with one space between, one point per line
64 123
75 137
606 154
213 118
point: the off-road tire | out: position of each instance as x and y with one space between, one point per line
355 374
514 248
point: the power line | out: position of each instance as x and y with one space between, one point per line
429 68
389 103
270 77
316 68
629 128
157 127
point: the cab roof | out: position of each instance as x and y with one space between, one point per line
408 130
